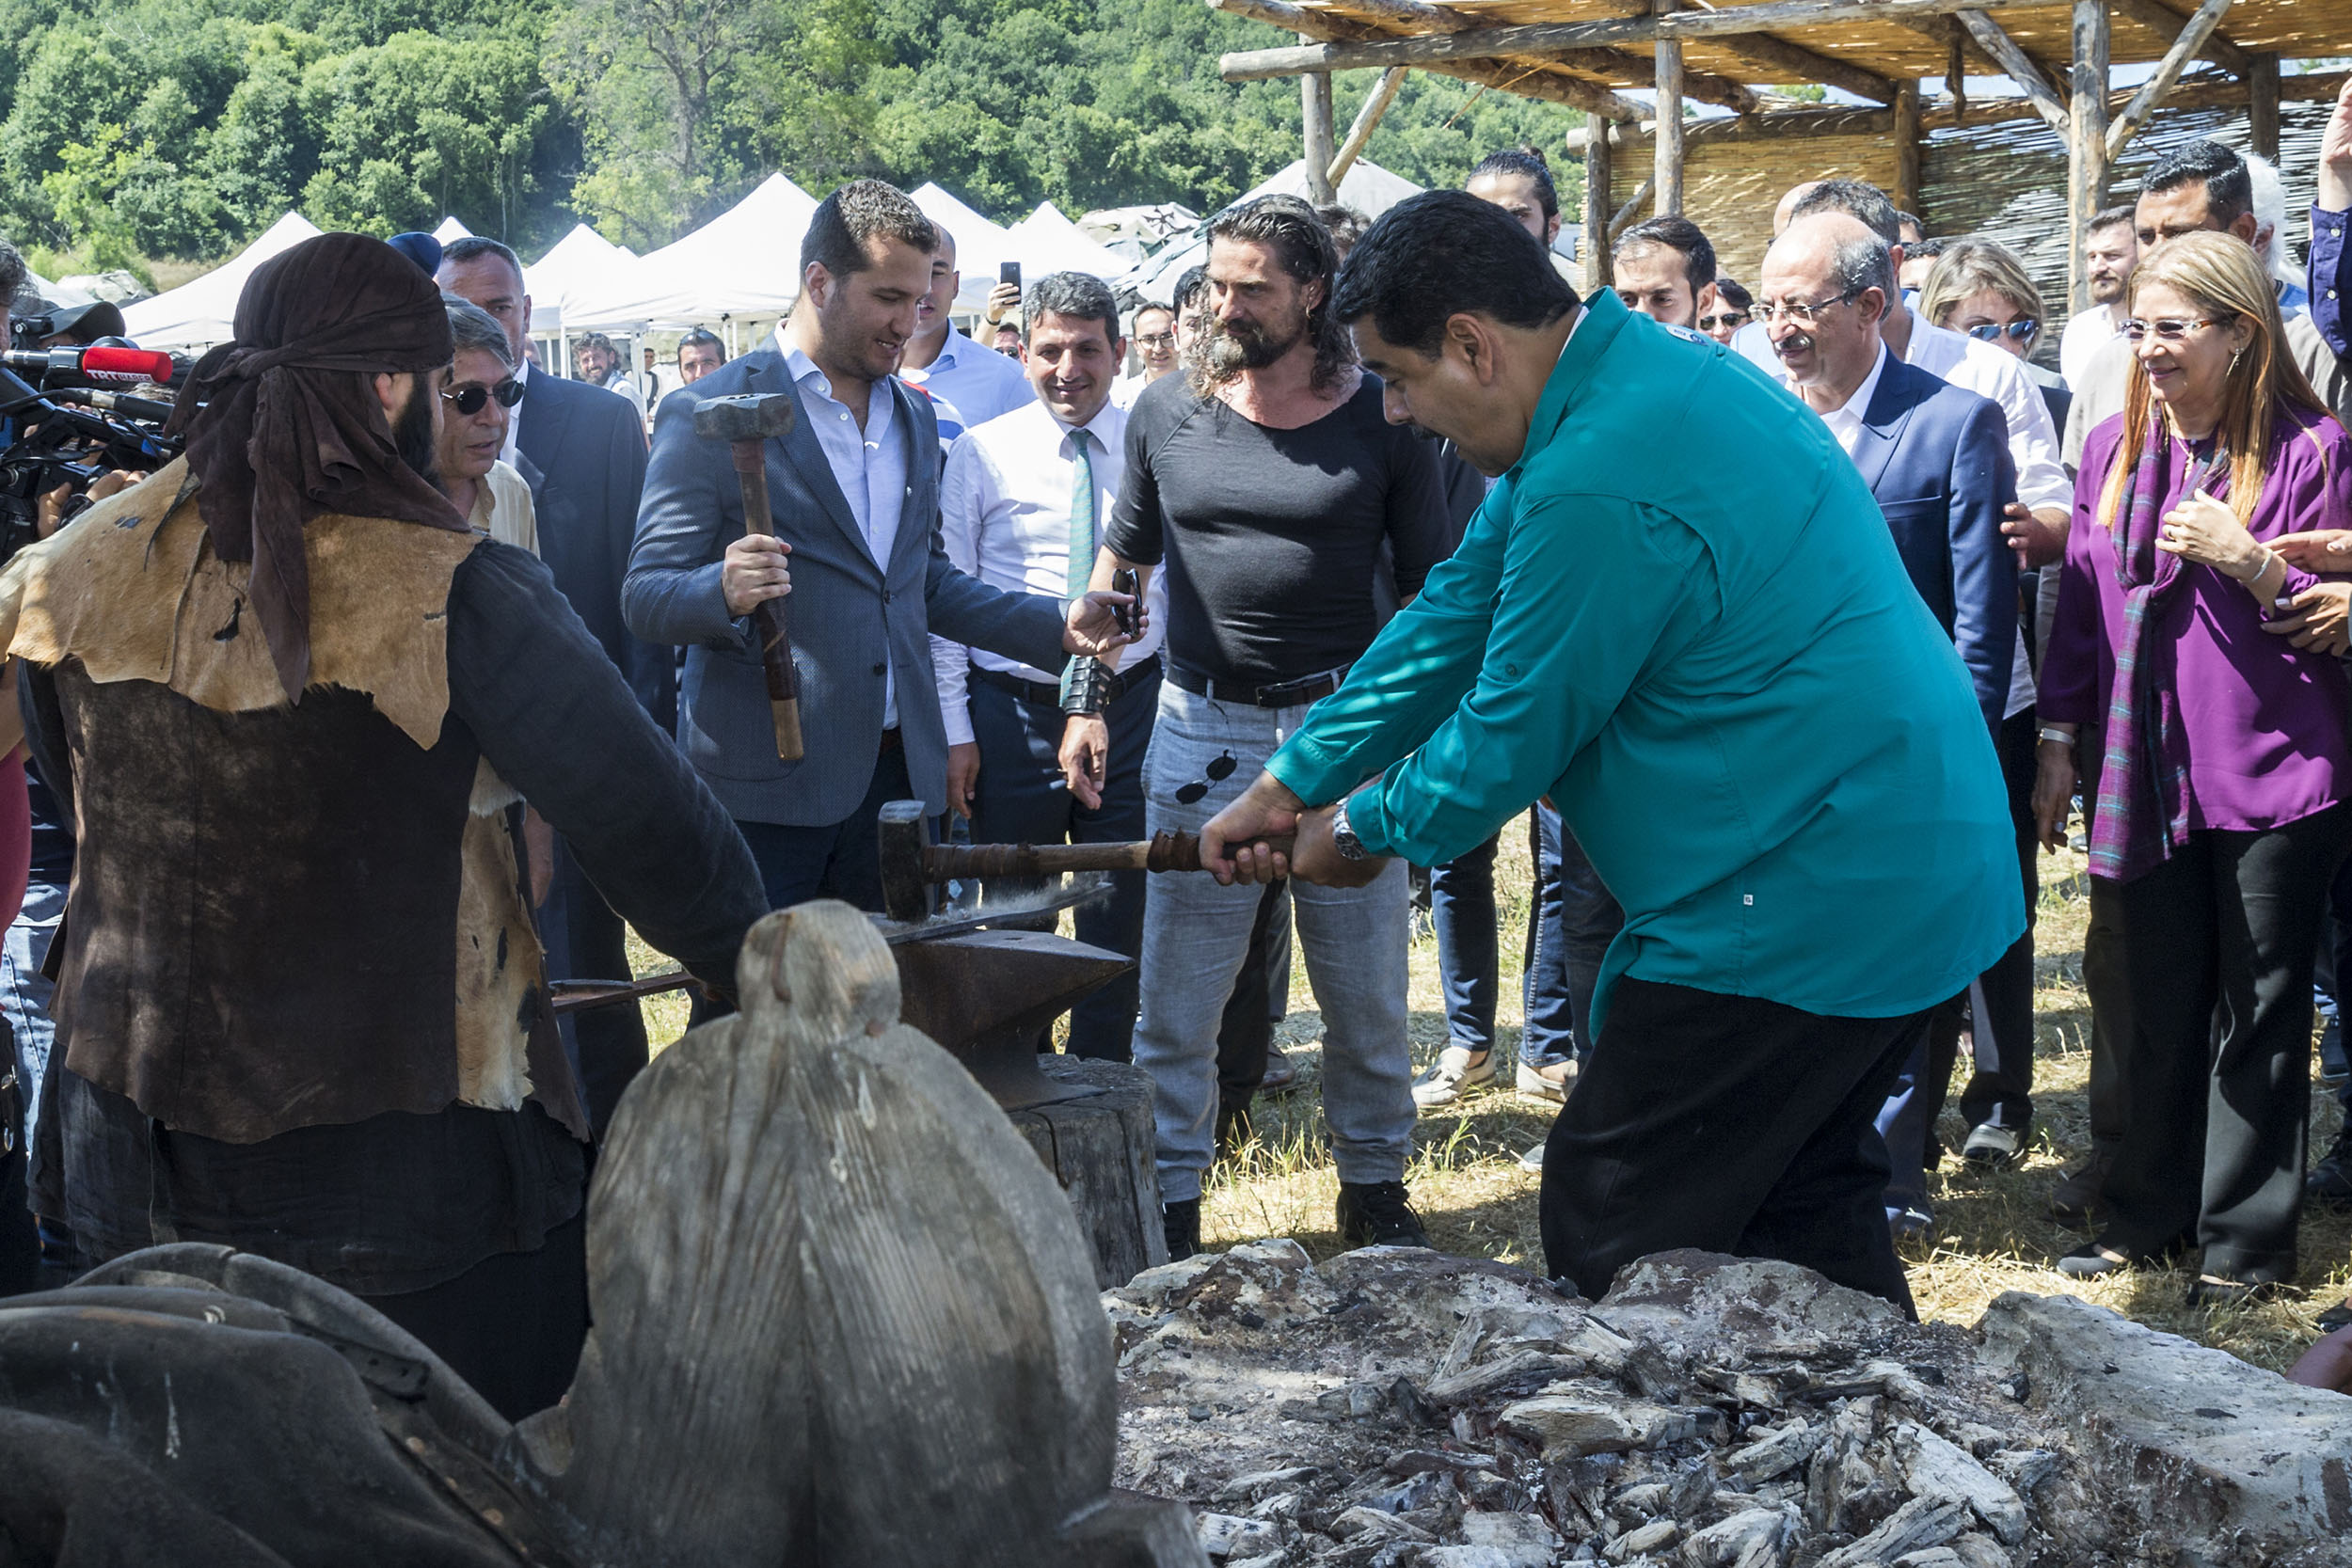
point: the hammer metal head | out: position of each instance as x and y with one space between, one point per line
906 891
752 417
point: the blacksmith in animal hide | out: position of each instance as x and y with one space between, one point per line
295 700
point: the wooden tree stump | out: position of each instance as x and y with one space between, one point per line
1099 1147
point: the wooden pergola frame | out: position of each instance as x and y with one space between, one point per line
1873 49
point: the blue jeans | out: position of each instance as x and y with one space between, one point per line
25 993
1020 799
1195 932
1469 962
1575 919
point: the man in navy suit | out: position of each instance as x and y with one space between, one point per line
582 451
1937 460
854 491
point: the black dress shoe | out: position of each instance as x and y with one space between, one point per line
2206 1294
2090 1261
1378 1214
2336 1317
2329 1183
2075 1201
1182 1223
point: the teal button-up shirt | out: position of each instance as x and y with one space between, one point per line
1682 617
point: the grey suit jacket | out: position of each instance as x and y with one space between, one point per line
852 618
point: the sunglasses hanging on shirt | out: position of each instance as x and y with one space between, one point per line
1218 770
470 399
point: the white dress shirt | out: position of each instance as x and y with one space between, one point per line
1976 366
2086 332
508 453
502 507
1003 516
980 382
869 465
1845 420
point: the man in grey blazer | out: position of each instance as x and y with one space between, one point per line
855 489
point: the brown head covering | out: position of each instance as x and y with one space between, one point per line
289 429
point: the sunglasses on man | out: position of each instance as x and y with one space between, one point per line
470 399
1733 319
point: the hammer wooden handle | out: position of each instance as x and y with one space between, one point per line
1163 852
768 622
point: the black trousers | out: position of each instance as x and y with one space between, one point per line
2000 1089
1245 1033
1730 1124
1020 799
2214 951
512 1325
608 1044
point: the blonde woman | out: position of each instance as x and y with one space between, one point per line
1981 290
2217 759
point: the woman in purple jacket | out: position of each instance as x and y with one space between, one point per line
2219 758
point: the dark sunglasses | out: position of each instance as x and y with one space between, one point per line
2020 329
1729 318
1218 770
468 400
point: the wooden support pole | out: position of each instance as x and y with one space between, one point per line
1547 39
2262 110
2004 52
2087 142
1907 136
2152 91
1631 210
1668 177
1367 119
1552 86
1795 63
1418 16
1598 273
1314 105
2165 22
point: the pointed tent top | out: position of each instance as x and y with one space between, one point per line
204 311
1367 187
743 263
451 229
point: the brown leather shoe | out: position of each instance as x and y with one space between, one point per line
1280 1071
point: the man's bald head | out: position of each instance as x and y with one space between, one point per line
1826 283
1788 204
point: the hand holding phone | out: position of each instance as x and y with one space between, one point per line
1008 272
1124 582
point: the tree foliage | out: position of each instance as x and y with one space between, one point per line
183 127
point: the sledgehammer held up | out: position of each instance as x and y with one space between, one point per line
747 424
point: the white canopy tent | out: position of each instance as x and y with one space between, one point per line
204 311
1051 233
1040 244
576 264
451 229
746 261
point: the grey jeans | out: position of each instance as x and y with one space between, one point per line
1195 936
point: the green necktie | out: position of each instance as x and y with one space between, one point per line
1081 517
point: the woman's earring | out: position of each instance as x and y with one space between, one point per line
2233 361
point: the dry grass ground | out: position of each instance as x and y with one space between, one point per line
1995 1236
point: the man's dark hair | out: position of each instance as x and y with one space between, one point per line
1524 160
1864 263
1346 224
471 327
702 336
1928 249
1445 253
2108 218
1734 293
861 211
1909 220
1677 233
2229 190
473 247
12 273
1856 199
1302 247
1189 288
1077 295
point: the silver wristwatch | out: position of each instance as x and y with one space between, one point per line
1344 837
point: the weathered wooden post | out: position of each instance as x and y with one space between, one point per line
1668 177
1907 136
1598 272
1315 103
2087 143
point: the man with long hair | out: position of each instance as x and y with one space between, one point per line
1264 480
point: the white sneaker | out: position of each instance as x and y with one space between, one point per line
1459 1069
1990 1148
1533 1160
1538 1082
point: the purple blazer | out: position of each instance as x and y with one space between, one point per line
2263 722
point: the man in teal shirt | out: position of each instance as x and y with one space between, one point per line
1721 674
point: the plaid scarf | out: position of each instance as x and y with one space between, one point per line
2142 807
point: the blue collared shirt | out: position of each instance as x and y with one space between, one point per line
980 382
869 465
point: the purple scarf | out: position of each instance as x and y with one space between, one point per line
2142 810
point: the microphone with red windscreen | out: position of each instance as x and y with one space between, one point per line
126 366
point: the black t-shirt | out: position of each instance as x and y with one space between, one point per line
1271 538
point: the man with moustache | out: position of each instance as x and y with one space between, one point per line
2111 251
1265 482
854 491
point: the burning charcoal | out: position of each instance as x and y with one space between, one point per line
1412 1462
2025 1469
1976 1552
1282 1505
1567 1424
1578 1488
1510 1530
1934 1556
1412 1406
1224 1535
1653 1537
1934 1467
1692 1491
1776 1453
1372 1523
1920 1523
1522 1372
1636 1503
1600 1348
1648 1373
1417 1492
1496 1494
1753 1539
1261 1480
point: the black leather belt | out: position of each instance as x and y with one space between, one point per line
1298 693
891 741
1050 696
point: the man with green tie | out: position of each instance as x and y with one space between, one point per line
1021 507
1723 678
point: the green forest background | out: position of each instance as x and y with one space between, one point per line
135 131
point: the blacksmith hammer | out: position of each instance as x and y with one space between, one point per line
748 424
910 866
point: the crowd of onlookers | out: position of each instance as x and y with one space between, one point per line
2131 521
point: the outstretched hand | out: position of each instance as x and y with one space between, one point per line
2320 550
1230 849
1093 631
